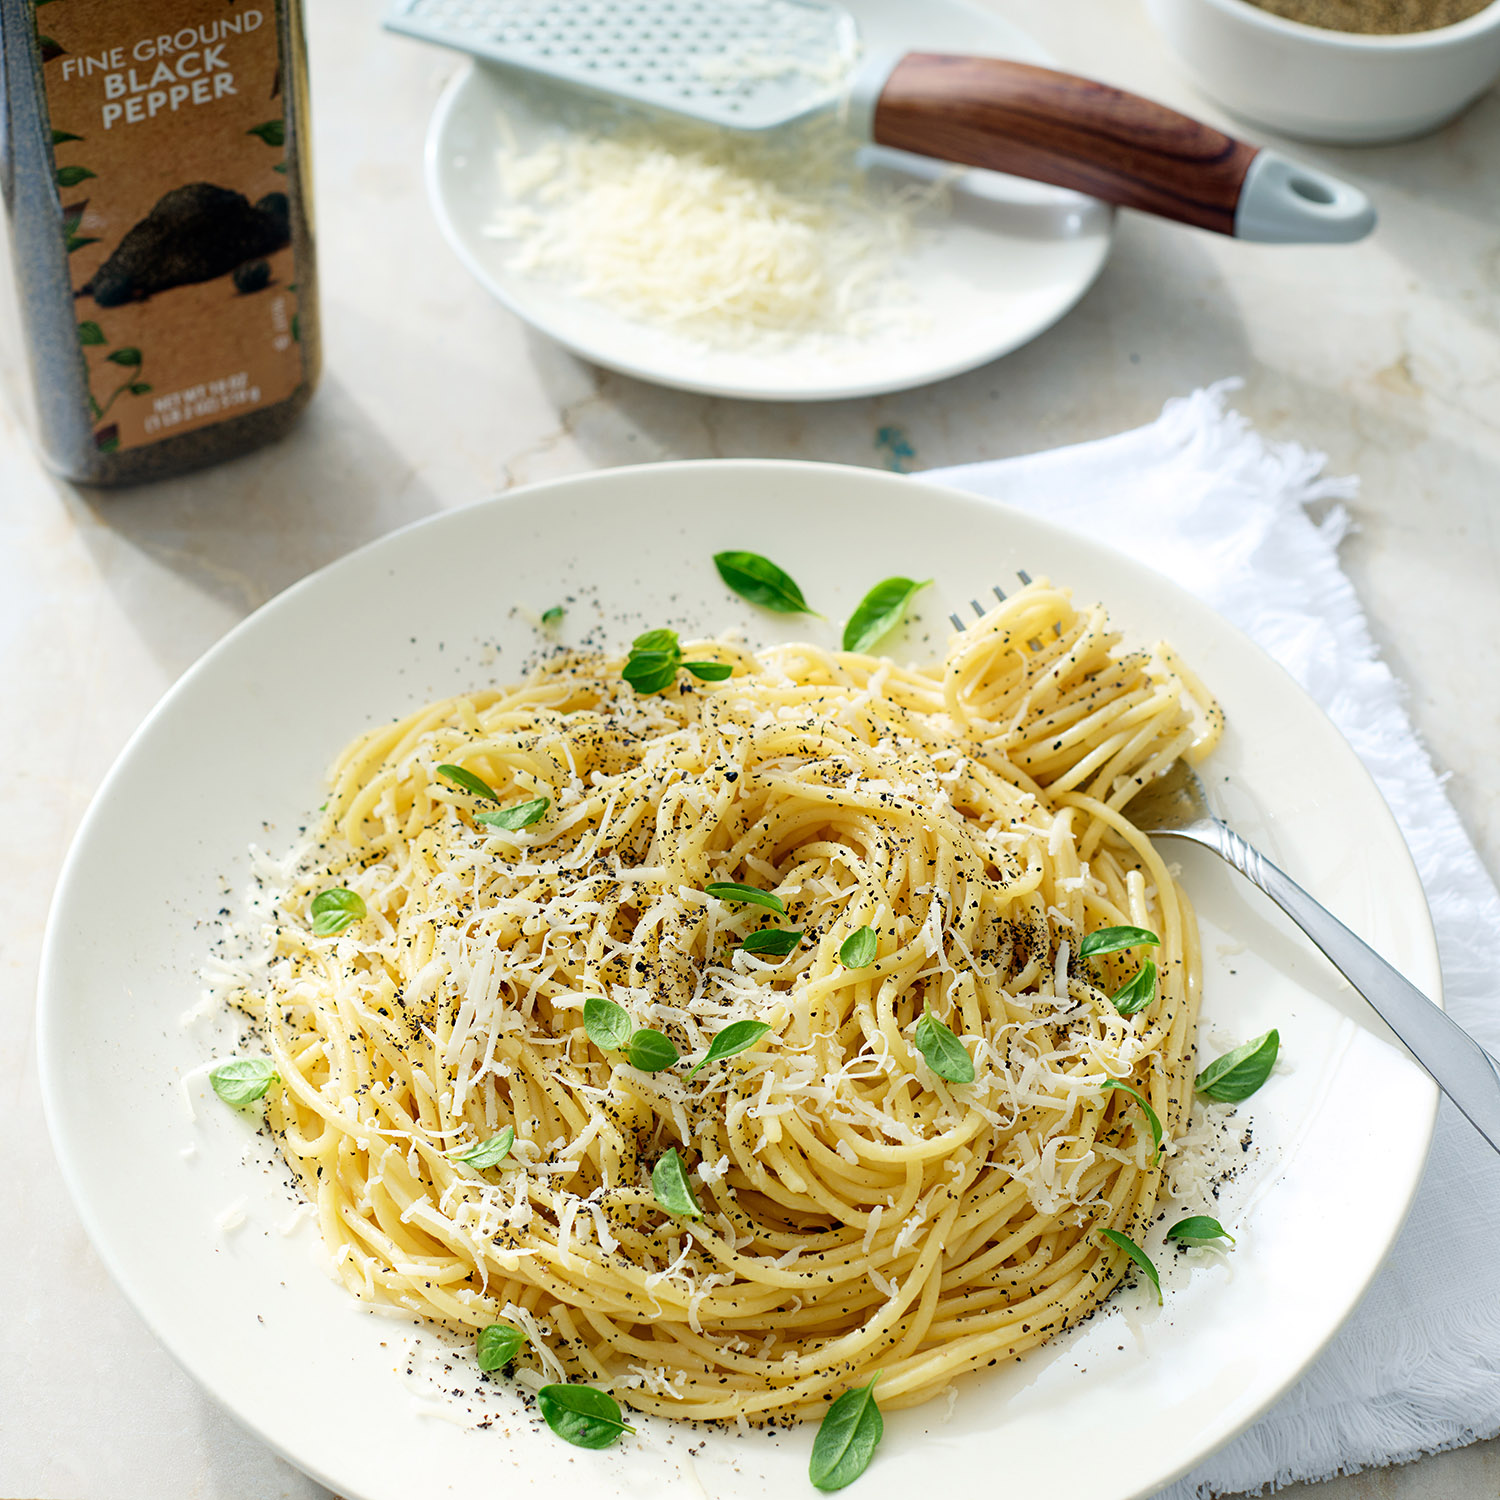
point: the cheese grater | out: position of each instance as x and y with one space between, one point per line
759 64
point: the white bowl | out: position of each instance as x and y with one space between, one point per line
1323 85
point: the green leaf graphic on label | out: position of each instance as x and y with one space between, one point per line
846 1439
90 333
734 1038
78 241
139 388
880 612
273 132
1136 1254
1238 1074
498 1344
243 1080
581 1415
669 1182
759 580
125 356
60 137
334 909
72 176
945 1054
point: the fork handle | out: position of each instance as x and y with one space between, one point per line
1081 134
1458 1064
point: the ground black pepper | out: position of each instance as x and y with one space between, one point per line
185 330
1374 17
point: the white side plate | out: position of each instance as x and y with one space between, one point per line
1138 1395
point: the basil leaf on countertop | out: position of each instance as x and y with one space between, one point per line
859 948
734 1038
333 910
608 1025
1136 1254
553 615
469 782
497 1344
747 895
669 1182
1152 1118
522 815
581 1415
880 611
1112 939
759 580
1137 992
1238 1074
243 1080
1199 1229
489 1153
846 1440
945 1054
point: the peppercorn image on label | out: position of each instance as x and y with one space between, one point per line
169 146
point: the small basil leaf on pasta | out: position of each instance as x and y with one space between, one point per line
468 781
773 942
746 895
859 948
243 1079
651 671
1137 992
498 1344
710 671
846 1440
1136 1254
489 1153
333 910
735 1037
669 1182
522 815
759 580
608 1025
880 612
581 1415
553 615
1199 1229
945 1054
655 640
1152 1118
652 1051
1238 1074
1113 939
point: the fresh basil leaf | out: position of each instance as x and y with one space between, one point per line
469 782
669 1182
880 612
847 1436
333 910
945 1054
735 1037
651 672
522 815
710 671
1112 939
1199 1229
652 1051
759 580
776 942
581 1415
489 1153
243 1080
746 895
859 948
553 615
1238 1074
655 640
498 1344
608 1025
1137 992
1152 1118
1136 1254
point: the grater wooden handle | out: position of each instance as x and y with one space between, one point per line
1058 128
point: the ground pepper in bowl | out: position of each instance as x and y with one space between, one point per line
1374 17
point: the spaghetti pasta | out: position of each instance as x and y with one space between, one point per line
860 1212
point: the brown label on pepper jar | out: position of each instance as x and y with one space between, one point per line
169 145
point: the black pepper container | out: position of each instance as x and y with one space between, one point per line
156 182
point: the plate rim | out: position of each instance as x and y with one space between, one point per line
51 1047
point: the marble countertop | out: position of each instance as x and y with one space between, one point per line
1385 355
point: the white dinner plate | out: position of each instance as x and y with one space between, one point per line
1011 258
235 754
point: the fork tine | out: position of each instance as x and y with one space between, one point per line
1023 575
998 592
958 624
977 607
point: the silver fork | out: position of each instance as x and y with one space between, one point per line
1174 806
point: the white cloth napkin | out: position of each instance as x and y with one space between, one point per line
1417 1367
